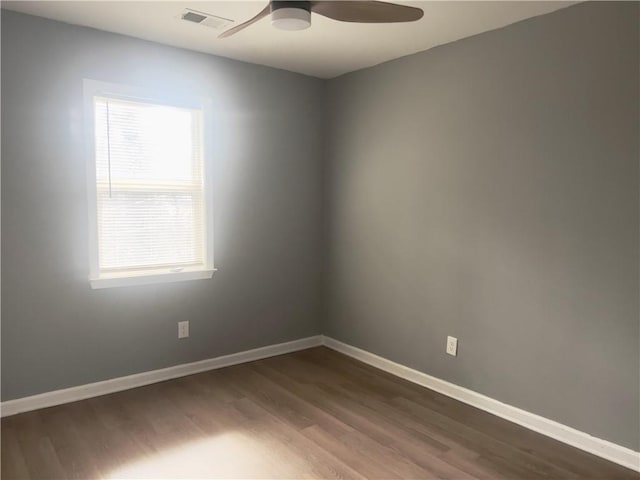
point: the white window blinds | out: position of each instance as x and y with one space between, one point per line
150 197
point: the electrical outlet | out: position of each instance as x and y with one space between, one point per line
183 329
452 346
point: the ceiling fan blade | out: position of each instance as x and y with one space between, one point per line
227 33
366 11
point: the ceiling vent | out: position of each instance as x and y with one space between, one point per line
206 19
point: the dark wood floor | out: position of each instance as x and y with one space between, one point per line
311 414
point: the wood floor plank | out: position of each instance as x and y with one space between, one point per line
320 463
365 464
12 462
309 414
409 444
284 400
35 445
111 447
575 463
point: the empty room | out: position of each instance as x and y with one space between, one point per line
320 239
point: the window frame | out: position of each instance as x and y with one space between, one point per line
98 279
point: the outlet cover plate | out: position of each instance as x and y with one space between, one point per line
183 329
452 346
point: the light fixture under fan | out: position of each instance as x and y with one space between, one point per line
296 15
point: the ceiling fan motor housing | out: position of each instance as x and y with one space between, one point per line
291 15
296 15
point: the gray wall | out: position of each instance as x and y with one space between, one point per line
56 331
488 189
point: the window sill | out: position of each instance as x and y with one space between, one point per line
149 278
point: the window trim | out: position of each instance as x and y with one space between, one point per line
94 88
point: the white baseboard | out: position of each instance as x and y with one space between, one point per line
57 397
597 446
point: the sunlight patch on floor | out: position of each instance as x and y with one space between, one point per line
229 455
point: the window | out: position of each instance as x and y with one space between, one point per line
149 198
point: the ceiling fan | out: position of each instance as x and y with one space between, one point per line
296 15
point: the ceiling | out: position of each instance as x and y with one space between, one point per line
325 50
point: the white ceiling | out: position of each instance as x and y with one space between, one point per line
325 50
